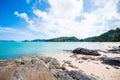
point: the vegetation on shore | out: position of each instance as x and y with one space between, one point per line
59 39
64 39
110 36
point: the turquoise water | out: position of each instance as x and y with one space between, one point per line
10 50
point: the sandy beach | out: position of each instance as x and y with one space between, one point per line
86 64
92 66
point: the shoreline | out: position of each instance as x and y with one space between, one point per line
93 67
89 65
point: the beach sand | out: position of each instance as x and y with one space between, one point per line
93 67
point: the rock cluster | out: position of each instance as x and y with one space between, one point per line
85 52
115 50
73 75
38 68
111 61
25 68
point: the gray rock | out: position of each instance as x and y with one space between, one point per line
72 66
67 62
85 52
111 61
34 61
85 58
53 64
38 68
73 56
116 67
67 50
115 50
80 61
77 75
107 68
73 75
3 64
20 62
19 75
45 59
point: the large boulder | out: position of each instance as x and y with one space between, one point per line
85 52
73 75
38 68
27 68
111 61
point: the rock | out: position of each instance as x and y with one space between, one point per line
105 56
77 75
89 58
28 69
73 56
55 61
23 62
92 58
116 67
104 51
80 61
118 46
63 67
72 66
3 64
67 62
20 62
19 75
45 59
73 75
115 50
38 68
85 58
107 68
67 50
85 52
34 61
54 64
111 61
95 63
64 75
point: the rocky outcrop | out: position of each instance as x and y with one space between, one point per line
111 61
38 68
85 52
115 50
26 68
73 75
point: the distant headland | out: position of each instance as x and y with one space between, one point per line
109 36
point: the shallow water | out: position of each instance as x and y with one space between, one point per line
10 50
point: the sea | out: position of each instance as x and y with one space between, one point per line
9 50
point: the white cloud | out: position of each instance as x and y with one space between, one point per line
24 16
27 1
109 10
65 9
6 29
30 22
60 20
108 13
16 34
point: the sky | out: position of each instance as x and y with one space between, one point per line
44 19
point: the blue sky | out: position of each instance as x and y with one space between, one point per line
32 19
